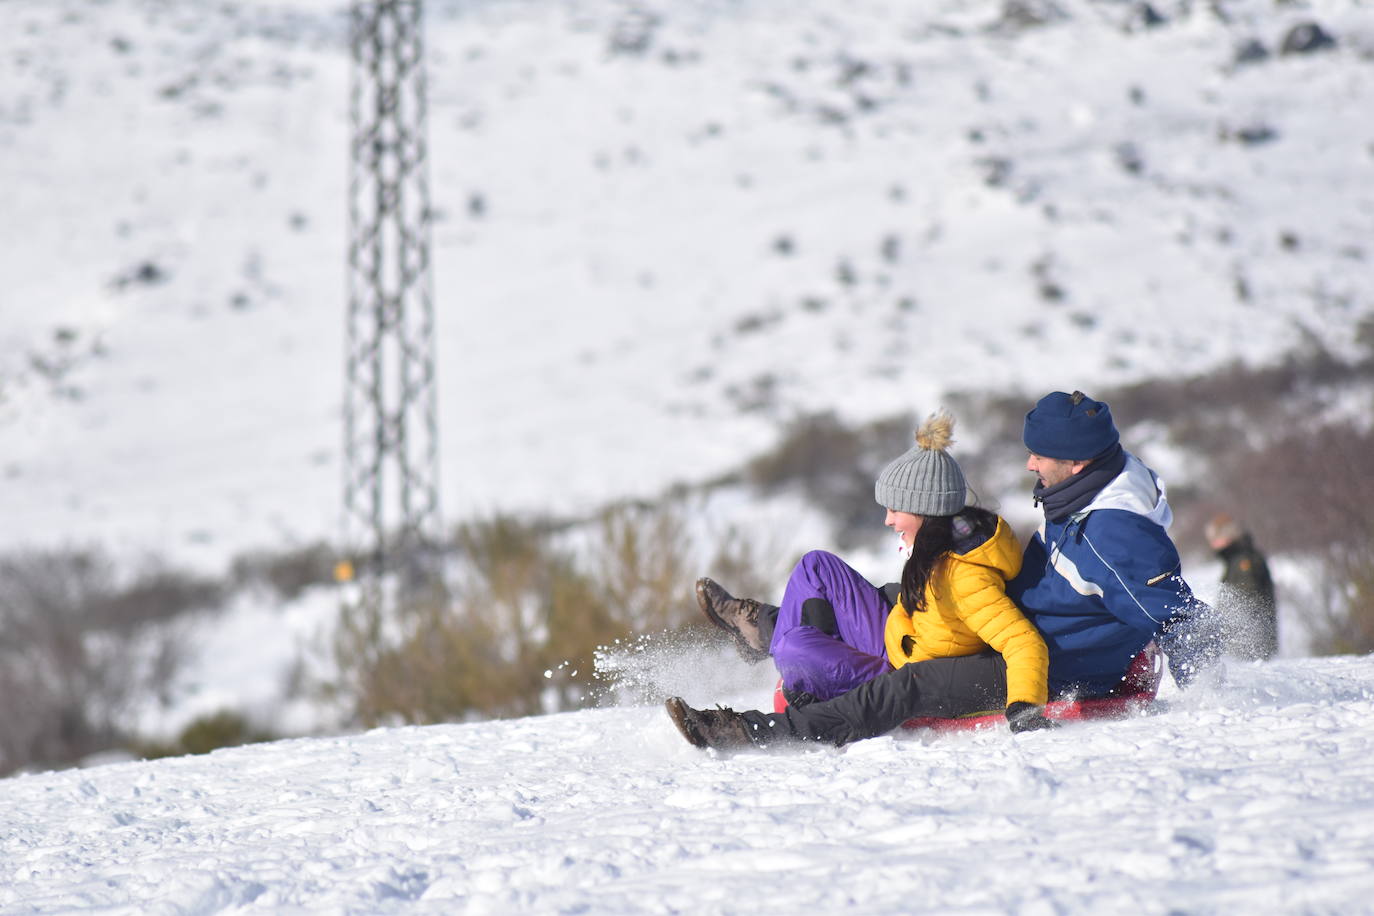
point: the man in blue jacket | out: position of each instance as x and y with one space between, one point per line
1101 579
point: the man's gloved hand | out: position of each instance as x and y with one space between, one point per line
1027 717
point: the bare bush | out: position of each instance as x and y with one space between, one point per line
746 564
77 649
1311 489
641 567
815 453
997 460
158 594
833 466
289 573
204 734
1315 490
527 614
1211 413
1344 622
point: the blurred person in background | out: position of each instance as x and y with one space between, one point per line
1246 599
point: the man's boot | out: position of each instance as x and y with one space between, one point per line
720 728
737 616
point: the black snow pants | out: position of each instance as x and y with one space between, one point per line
941 687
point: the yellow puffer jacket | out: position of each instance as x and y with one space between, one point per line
967 610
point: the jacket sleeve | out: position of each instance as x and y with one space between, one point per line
1137 567
981 598
1191 640
899 638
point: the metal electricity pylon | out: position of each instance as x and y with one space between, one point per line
391 467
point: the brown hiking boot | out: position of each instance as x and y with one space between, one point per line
737 616
720 728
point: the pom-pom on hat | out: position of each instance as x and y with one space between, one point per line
1071 427
925 480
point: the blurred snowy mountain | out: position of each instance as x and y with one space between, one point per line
661 229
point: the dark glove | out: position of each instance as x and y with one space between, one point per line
1027 717
797 698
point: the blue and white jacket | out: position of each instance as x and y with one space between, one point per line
1105 581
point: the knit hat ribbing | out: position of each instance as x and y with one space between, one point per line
1070 427
925 480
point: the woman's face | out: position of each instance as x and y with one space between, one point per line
905 524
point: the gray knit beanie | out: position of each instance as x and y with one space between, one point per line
926 480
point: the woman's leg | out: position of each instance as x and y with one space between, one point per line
829 633
822 667
857 608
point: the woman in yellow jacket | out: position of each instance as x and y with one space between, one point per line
955 643
953 599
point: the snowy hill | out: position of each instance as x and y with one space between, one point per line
661 228
1251 797
661 231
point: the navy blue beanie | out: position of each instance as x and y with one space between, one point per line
1071 427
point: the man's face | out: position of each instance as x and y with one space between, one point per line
1052 471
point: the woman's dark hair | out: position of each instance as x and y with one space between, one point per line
933 542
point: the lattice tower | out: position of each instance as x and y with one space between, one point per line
391 479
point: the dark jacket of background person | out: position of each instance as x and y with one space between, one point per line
1246 598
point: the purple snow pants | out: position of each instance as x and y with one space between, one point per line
827 654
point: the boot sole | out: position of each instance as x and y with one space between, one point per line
677 711
746 651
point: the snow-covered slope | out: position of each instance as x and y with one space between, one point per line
660 228
1251 797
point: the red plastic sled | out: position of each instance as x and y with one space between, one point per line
1138 689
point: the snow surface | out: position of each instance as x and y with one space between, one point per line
1256 796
